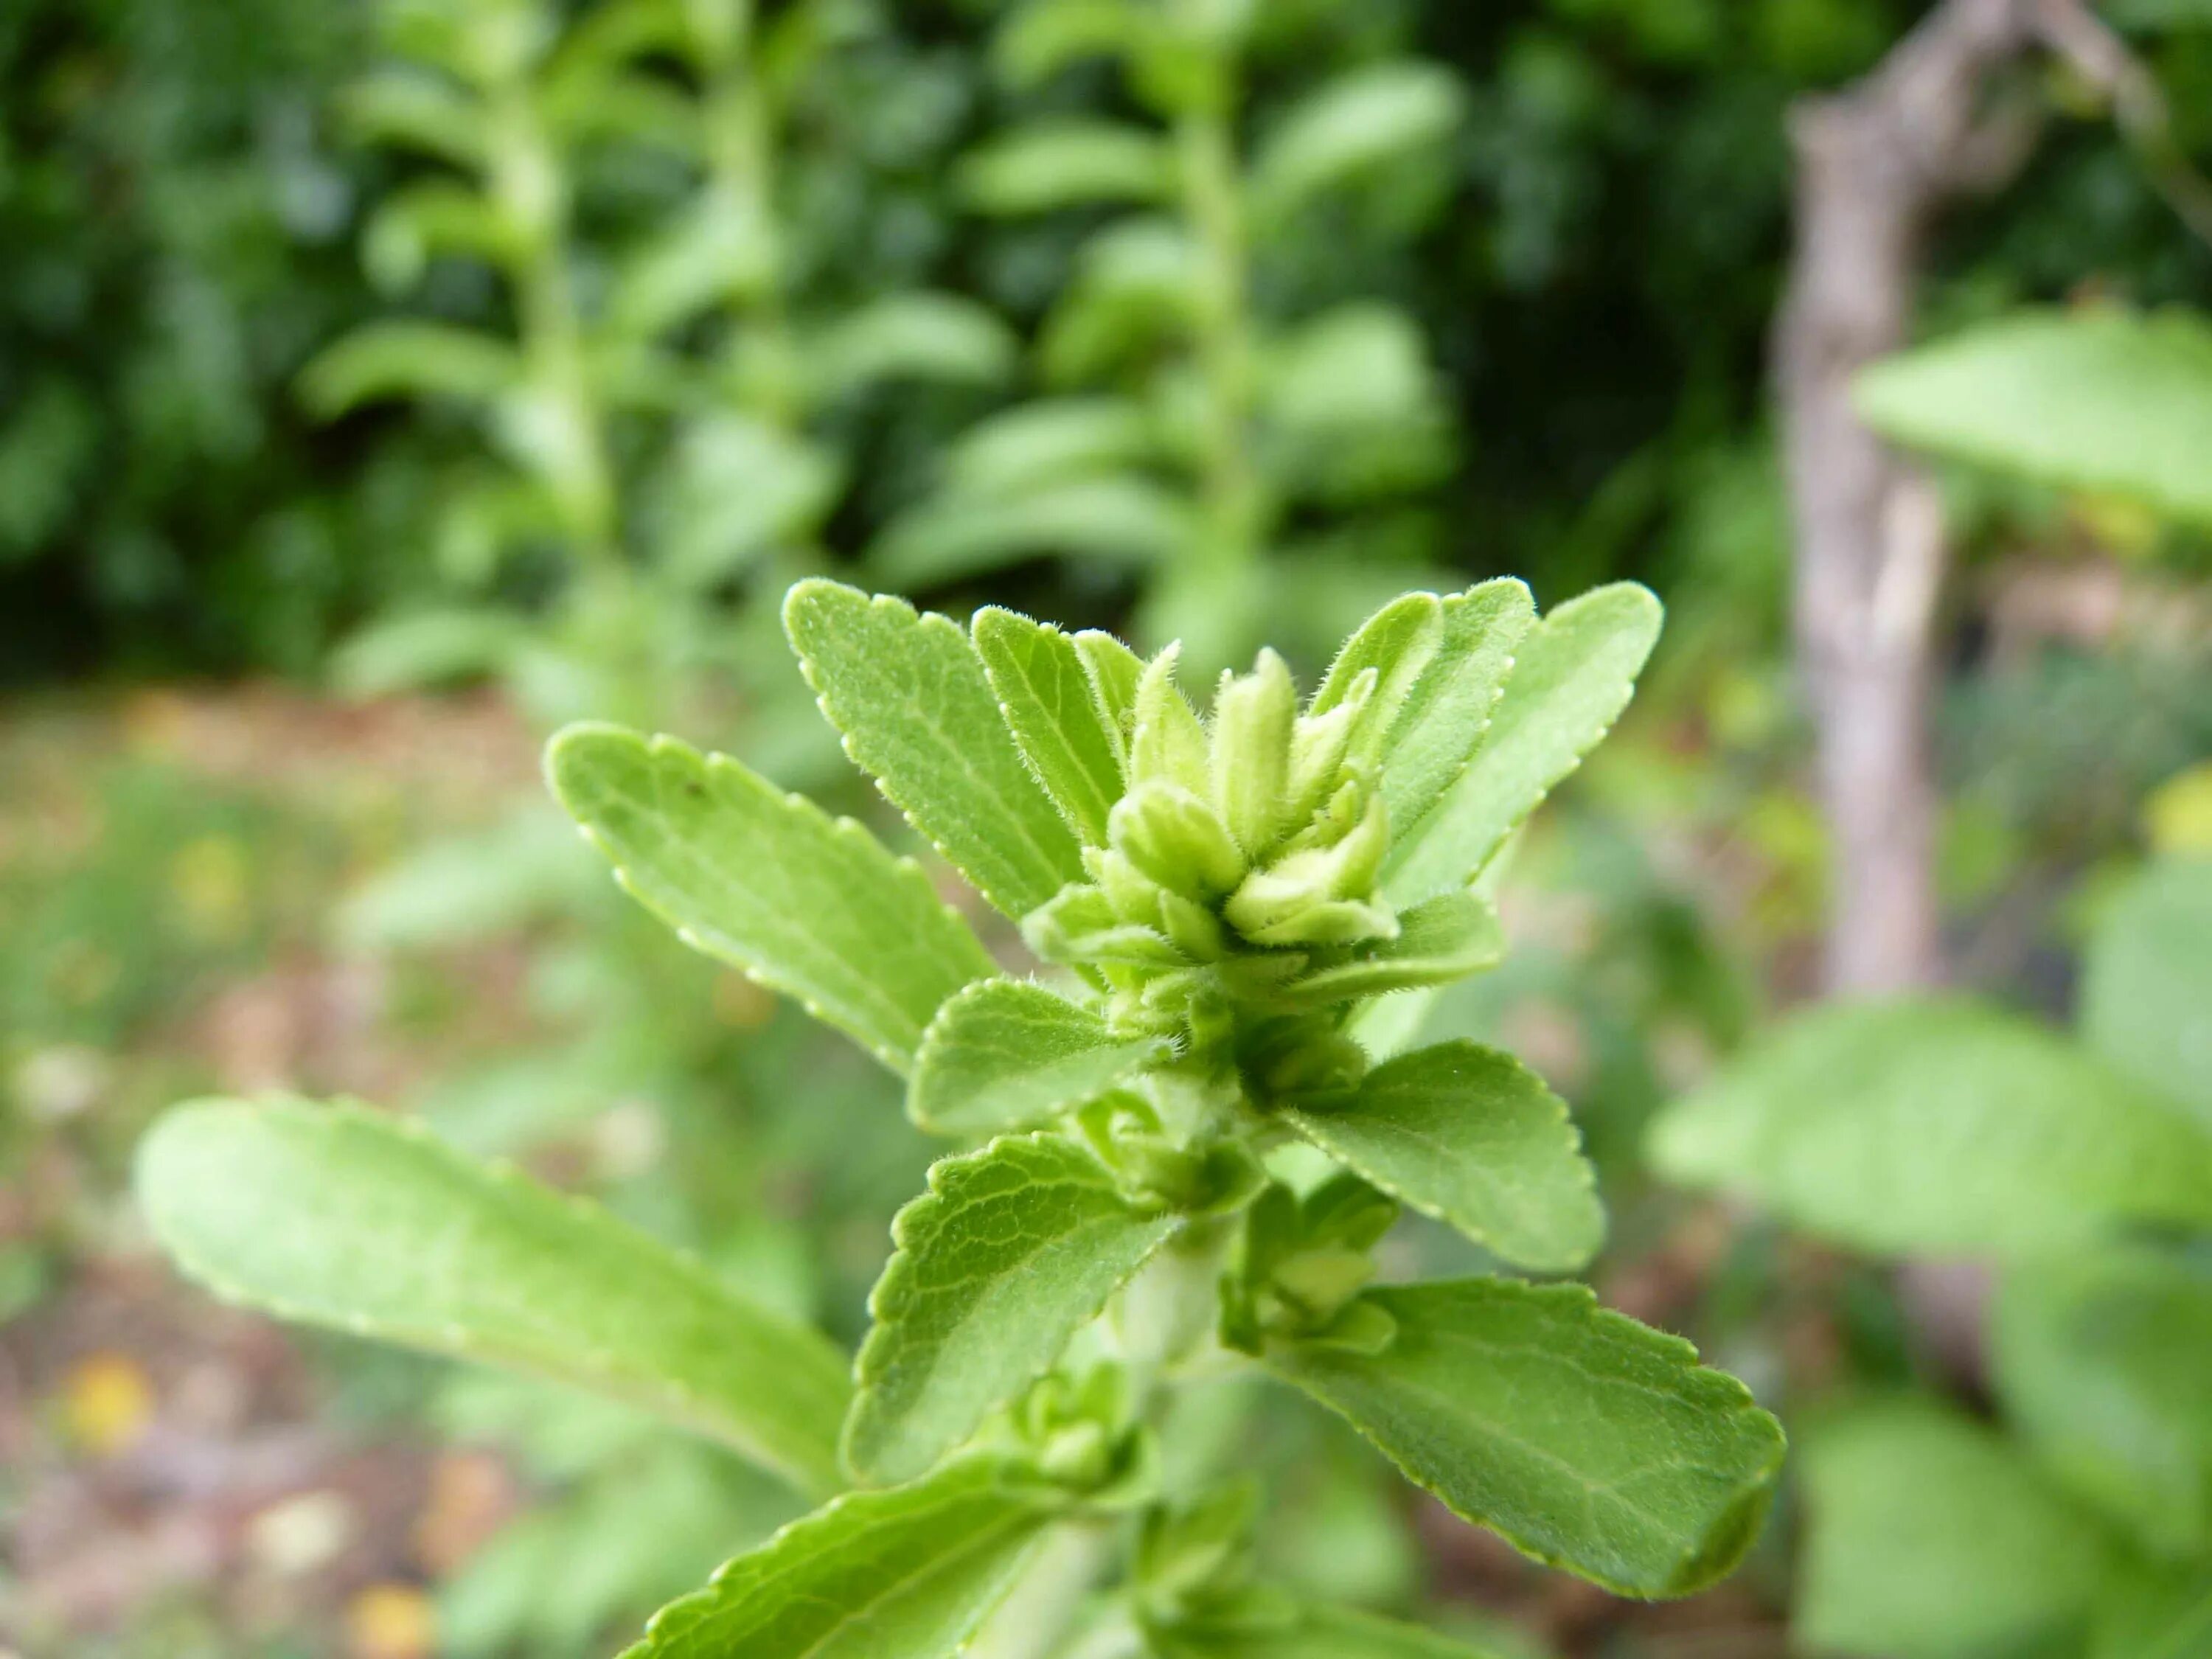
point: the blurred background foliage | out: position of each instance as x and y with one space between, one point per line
381 384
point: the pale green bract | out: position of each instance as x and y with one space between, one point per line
1473 1137
910 1573
1590 1441
341 1216
995 1267
809 905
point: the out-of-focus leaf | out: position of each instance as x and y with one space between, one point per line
1572 676
1068 164
1353 406
1937 1126
2147 982
343 1217
1357 121
1929 1537
740 488
2106 401
418 111
1590 1442
1046 441
1136 284
1119 518
716 253
906 1574
433 219
1264 1625
470 887
910 694
407 360
2105 1364
422 648
1037 41
920 337
809 905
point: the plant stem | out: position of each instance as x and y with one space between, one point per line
1233 506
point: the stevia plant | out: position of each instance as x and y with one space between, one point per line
1196 1124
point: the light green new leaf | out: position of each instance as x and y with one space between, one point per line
1590 1442
1572 674
1046 697
1450 707
1007 1054
1929 1537
1471 1136
2105 1362
906 1574
811 906
1266 1625
1440 940
1358 121
1398 642
2147 982
1010 1252
1068 164
909 693
341 1216
407 360
1937 1126
1119 518
2091 400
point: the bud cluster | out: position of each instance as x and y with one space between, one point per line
1245 854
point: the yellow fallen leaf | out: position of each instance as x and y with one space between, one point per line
107 1403
390 1621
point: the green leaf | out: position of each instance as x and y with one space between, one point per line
1006 1054
1398 642
338 1216
1046 697
2145 1002
1928 1538
1360 120
1471 1136
912 337
1572 676
1440 940
1010 1251
1450 707
1937 1126
1122 519
1068 164
410 109
1590 1442
407 360
2105 401
1040 39
1354 411
2105 1364
1267 1625
910 694
1048 440
811 906
907 1574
